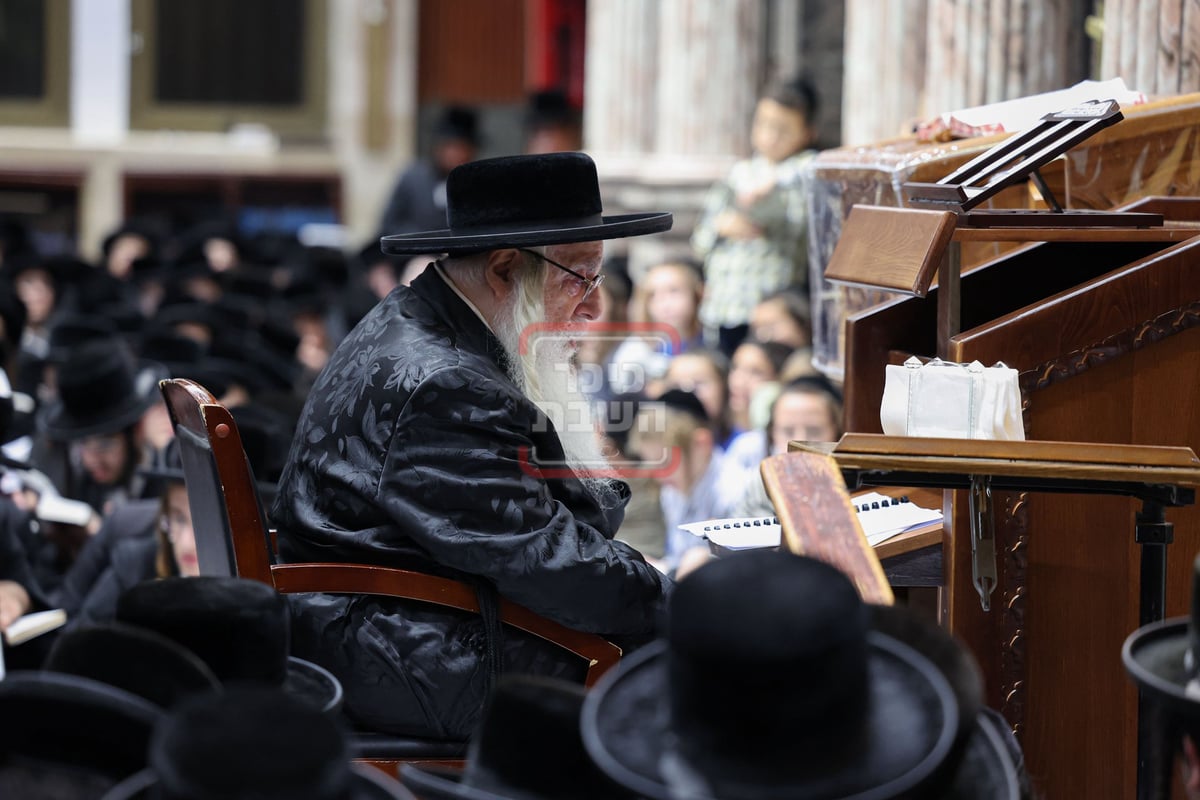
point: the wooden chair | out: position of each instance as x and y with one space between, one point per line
232 538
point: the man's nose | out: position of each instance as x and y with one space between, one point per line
590 308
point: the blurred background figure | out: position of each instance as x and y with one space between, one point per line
418 203
752 235
553 125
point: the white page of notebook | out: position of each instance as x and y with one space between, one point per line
879 524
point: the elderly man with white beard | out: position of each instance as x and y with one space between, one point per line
447 435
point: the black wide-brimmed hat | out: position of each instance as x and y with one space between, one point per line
771 683
76 733
239 627
528 747
252 743
132 658
102 389
524 201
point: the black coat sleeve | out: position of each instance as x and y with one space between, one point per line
462 445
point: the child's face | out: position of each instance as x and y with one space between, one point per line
771 322
778 131
804 417
749 369
697 375
670 298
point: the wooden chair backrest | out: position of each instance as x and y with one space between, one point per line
227 513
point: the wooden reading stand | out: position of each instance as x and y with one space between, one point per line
1101 319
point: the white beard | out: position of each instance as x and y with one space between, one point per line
546 374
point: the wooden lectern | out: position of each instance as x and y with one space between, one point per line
1157 476
1103 325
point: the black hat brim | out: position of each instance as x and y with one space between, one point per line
443 784
366 783
987 769
626 729
472 240
1154 657
314 685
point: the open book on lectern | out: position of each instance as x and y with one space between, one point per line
880 516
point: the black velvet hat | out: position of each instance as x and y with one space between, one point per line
524 201
240 628
101 390
528 746
253 743
132 658
771 684
63 729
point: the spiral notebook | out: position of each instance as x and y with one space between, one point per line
881 517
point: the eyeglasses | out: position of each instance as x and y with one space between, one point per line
587 284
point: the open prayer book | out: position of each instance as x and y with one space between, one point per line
30 626
881 517
34 624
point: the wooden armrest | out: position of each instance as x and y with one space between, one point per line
600 653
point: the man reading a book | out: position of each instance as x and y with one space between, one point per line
447 435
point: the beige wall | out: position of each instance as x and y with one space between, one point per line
103 153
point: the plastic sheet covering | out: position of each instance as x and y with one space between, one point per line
1155 150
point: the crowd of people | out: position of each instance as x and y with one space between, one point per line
421 427
483 394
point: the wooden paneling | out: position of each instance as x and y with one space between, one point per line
472 51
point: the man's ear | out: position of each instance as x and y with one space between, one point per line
501 271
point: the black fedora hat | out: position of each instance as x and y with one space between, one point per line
528 746
101 390
252 743
239 627
524 201
771 684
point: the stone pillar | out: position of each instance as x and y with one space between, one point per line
986 51
621 73
1153 44
884 74
669 93
710 70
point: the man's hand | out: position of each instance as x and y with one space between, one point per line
691 560
14 602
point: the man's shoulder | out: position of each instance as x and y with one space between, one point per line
395 349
